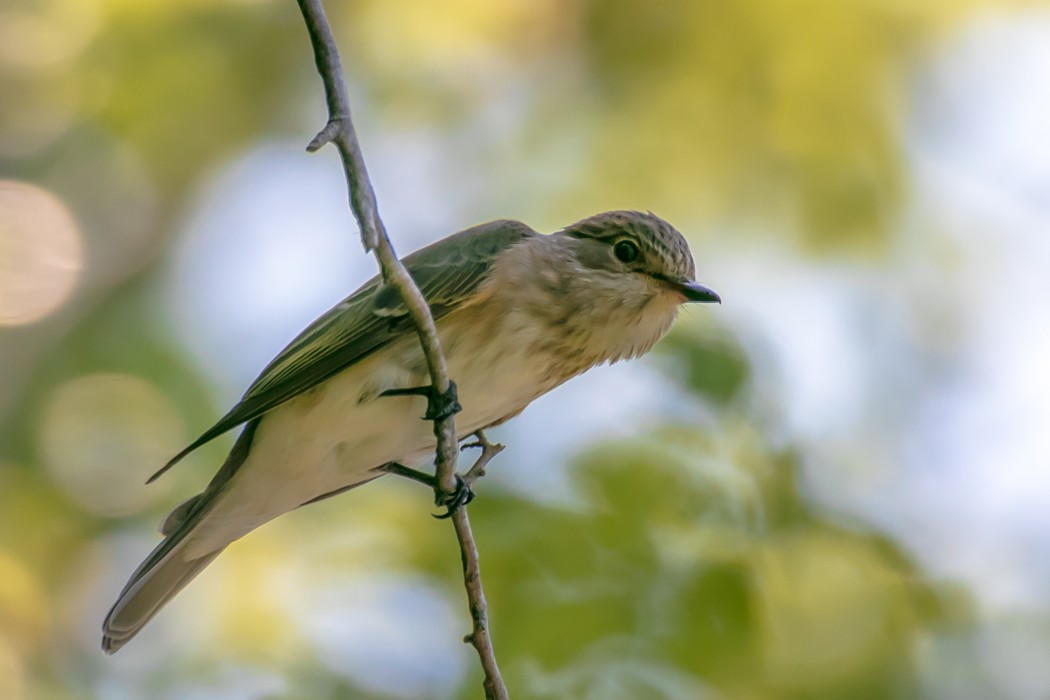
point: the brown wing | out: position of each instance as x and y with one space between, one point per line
448 273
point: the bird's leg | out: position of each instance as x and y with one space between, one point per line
439 405
464 493
409 473
461 496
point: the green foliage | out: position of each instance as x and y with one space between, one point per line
709 362
695 556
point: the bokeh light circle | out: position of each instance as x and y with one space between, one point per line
100 436
41 253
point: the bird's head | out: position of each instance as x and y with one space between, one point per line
632 251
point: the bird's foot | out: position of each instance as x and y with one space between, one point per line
439 405
459 497
451 502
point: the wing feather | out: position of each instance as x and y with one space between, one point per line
448 273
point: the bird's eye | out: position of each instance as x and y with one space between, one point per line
625 251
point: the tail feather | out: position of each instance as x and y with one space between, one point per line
143 598
164 573
167 569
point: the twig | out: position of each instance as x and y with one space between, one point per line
479 637
488 451
340 131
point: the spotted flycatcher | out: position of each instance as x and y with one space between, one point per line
517 313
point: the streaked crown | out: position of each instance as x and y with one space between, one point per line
662 250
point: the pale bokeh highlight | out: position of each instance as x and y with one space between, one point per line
41 253
99 430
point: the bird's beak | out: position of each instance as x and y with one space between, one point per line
695 292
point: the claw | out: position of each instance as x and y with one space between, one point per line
455 500
439 406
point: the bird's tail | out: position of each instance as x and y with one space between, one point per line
169 568
165 572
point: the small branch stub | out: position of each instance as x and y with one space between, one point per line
326 135
488 451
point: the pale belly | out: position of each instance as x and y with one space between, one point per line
336 435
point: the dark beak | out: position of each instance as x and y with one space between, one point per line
694 292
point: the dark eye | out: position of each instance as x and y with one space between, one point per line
625 251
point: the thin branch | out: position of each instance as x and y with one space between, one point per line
340 131
479 637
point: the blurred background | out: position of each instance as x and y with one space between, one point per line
837 484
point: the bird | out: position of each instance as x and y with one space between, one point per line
517 314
